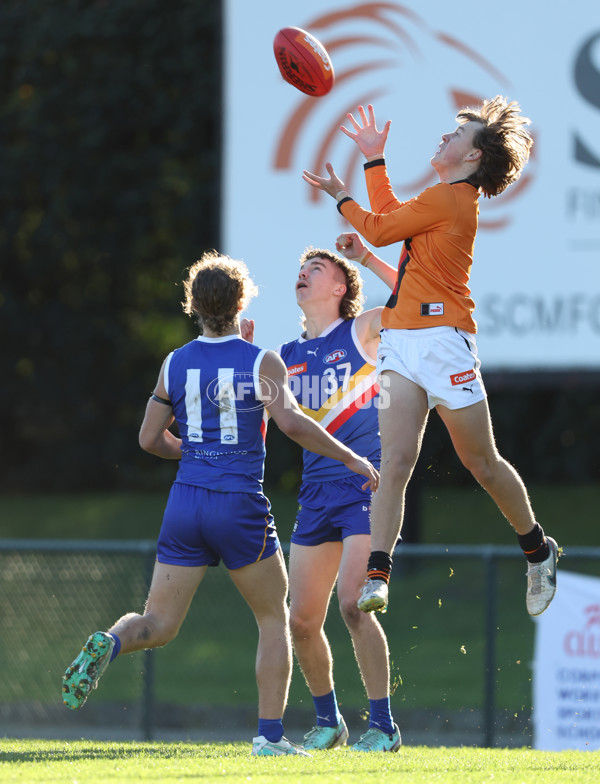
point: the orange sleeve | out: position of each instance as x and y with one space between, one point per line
381 196
431 210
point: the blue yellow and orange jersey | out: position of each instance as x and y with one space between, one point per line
213 385
334 382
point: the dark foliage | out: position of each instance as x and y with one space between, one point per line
109 153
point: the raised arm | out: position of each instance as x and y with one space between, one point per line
284 409
389 220
353 248
370 141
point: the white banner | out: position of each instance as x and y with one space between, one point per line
566 683
536 275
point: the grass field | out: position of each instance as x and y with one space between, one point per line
96 763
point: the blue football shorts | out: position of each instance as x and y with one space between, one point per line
330 511
202 527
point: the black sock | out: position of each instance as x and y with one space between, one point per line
534 544
379 566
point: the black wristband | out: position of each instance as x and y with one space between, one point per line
376 162
343 201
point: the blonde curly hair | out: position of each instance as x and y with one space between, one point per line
216 288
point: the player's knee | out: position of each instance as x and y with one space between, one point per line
302 627
482 467
349 611
397 466
157 632
166 635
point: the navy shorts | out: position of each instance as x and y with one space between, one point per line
331 511
202 527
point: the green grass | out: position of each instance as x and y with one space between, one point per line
99 762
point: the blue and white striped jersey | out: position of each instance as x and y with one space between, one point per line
213 387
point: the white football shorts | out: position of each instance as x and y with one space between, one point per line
441 360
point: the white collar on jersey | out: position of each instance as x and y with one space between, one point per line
221 339
325 332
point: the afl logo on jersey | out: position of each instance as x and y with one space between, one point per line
335 356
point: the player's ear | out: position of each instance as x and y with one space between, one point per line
474 155
340 289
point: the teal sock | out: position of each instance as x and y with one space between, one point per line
271 729
326 707
380 715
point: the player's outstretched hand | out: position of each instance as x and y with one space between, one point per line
360 465
331 185
370 140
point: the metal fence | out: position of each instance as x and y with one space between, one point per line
445 602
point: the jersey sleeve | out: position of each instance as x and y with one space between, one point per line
166 378
381 196
432 209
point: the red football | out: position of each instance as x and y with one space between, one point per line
303 61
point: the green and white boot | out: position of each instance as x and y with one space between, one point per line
377 740
326 737
83 675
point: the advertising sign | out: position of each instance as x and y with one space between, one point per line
566 682
536 273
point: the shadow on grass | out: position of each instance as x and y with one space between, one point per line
73 752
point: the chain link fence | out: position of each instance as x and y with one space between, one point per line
52 597
460 646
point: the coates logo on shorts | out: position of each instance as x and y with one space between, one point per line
239 392
335 356
386 54
585 642
463 378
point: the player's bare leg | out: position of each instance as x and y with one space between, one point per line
313 571
370 647
402 418
473 438
471 432
402 423
368 638
171 592
264 587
